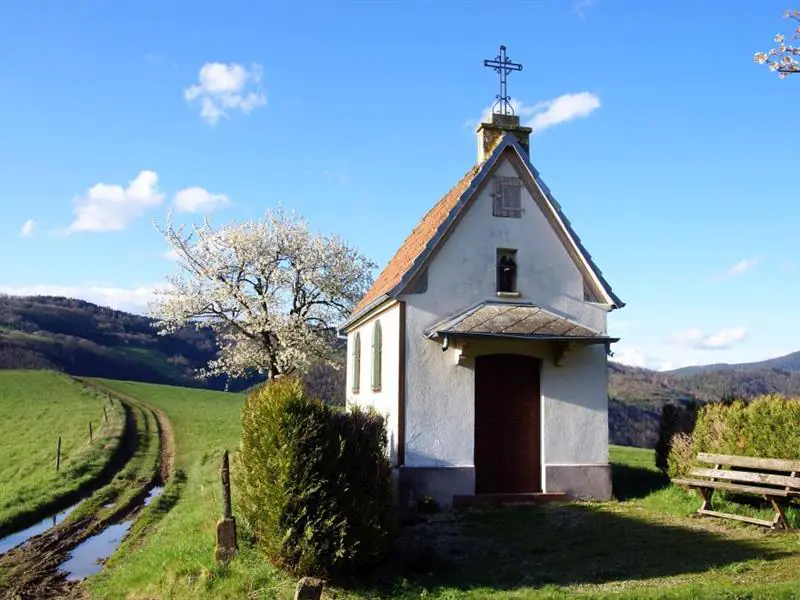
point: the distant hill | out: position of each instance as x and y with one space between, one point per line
637 395
789 362
81 338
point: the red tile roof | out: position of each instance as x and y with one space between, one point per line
415 243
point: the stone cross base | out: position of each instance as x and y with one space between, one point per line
309 588
226 539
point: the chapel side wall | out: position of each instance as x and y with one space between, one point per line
440 413
385 401
575 423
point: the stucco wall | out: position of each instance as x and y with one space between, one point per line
385 401
463 270
440 393
575 408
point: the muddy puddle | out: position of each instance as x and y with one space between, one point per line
88 557
15 539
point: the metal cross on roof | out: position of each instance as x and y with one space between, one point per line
502 65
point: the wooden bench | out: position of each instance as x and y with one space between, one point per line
773 479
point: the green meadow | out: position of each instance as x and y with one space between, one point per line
645 544
36 407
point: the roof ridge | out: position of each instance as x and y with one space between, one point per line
414 244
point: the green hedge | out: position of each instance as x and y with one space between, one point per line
314 483
767 427
674 420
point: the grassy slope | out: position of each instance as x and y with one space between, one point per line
35 408
176 558
647 546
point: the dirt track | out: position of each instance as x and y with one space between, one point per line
31 570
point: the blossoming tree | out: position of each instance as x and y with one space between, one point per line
783 59
272 291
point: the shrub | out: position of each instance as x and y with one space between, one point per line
314 484
674 420
766 427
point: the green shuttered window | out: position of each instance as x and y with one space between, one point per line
356 363
377 344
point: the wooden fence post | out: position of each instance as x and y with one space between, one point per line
225 474
58 455
105 414
90 432
226 526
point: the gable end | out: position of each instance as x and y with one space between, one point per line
401 273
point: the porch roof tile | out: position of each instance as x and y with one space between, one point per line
514 320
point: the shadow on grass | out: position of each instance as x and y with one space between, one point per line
636 482
522 547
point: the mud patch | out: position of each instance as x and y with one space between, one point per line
20 537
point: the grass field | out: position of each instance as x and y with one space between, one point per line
647 544
176 556
35 408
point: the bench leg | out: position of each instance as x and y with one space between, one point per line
706 493
780 521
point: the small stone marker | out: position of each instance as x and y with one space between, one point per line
226 526
309 588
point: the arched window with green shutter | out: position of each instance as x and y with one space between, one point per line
356 362
377 343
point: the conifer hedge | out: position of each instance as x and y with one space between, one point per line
766 427
314 483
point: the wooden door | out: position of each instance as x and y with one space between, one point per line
507 424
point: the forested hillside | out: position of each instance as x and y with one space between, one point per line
81 338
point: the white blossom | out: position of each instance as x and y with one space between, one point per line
782 59
272 291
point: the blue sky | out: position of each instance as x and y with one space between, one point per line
671 152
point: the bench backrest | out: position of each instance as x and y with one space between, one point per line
783 474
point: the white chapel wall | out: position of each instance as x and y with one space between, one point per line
439 394
575 408
385 400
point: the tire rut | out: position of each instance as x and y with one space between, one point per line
33 568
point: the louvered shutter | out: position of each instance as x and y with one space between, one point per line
507 197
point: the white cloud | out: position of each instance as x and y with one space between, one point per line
741 267
27 228
133 300
106 207
581 7
199 200
721 340
635 357
225 87
562 109
547 113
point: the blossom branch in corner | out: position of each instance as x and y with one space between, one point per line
783 58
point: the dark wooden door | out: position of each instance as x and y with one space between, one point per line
507 424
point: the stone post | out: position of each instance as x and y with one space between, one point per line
309 588
226 526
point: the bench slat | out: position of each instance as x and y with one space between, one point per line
714 513
733 487
770 464
765 478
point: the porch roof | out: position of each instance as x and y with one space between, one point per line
517 321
